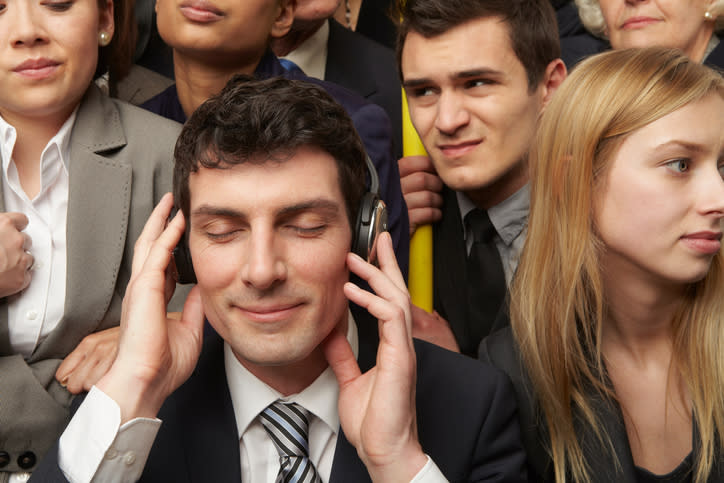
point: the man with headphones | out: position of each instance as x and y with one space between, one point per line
289 385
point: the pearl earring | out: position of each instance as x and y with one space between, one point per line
104 38
709 16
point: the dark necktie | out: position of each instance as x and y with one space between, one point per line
485 279
287 424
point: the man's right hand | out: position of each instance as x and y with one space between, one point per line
421 187
156 353
15 259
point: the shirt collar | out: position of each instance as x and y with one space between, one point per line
250 396
311 55
509 217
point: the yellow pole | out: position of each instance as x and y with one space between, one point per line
420 276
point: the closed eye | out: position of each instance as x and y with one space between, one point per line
59 6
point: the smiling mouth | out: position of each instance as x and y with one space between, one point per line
36 68
270 313
458 149
634 23
201 12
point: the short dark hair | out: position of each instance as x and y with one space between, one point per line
531 25
268 120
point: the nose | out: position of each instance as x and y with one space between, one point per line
711 194
264 266
26 27
451 113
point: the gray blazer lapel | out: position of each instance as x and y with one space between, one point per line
98 204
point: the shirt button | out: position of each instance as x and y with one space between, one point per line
37 264
129 458
32 314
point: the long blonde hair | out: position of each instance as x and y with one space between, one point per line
557 304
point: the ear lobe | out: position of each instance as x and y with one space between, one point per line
285 18
105 19
555 74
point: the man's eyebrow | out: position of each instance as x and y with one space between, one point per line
210 210
463 74
318 204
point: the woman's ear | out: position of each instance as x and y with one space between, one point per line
285 18
105 19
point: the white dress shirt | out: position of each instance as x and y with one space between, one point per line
36 311
311 55
95 447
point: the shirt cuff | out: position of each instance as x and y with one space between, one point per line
96 447
429 473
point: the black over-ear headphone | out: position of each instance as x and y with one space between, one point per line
371 221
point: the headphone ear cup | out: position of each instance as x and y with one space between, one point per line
182 259
371 221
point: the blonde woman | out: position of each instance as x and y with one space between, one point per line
617 309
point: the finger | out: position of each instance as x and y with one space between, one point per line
394 326
420 182
69 364
27 241
424 216
341 358
414 164
151 231
380 282
193 311
423 199
160 251
17 220
388 261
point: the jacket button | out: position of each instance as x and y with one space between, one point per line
26 460
4 459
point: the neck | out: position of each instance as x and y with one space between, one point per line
698 46
32 137
500 190
296 37
639 313
294 377
197 80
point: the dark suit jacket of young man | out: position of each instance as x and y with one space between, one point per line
369 69
466 415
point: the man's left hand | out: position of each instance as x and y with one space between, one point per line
377 409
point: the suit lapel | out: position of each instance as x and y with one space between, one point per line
347 466
98 206
449 267
345 69
211 443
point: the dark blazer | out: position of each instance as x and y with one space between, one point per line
121 163
449 271
501 350
466 417
716 58
369 69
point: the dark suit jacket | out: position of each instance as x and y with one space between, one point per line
716 58
372 125
369 69
121 164
501 350
466 418
449 269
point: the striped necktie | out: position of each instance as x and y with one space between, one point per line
287 424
